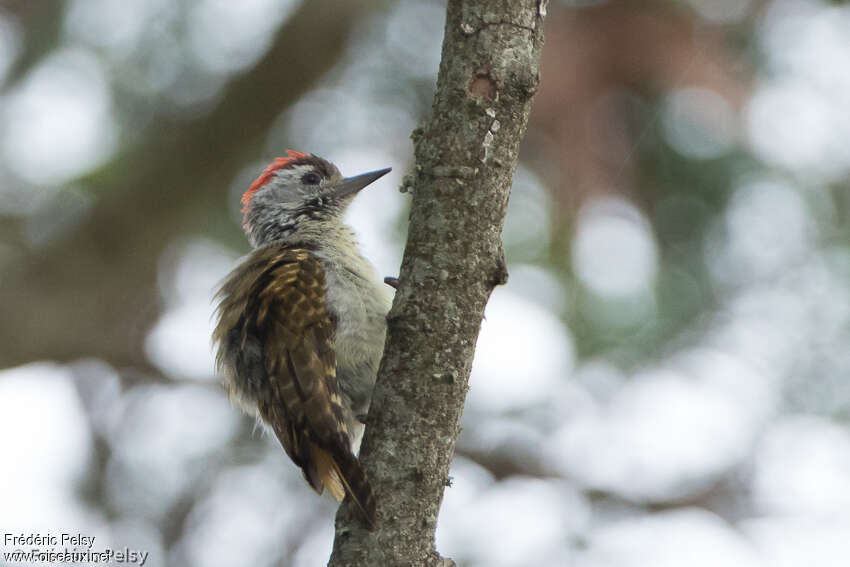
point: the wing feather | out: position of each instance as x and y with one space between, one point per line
281 294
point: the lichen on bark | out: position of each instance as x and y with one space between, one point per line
466 154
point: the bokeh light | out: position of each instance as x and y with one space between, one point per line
663 381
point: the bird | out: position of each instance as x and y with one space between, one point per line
301 322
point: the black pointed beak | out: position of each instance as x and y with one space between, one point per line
351 185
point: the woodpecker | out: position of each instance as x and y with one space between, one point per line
302 321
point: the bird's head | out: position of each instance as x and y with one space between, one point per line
299 193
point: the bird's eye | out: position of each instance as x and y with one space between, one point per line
311 178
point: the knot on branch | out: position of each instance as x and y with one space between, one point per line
482 84
500 273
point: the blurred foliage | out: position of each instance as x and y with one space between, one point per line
680 220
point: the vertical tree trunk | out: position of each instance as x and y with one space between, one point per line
465 159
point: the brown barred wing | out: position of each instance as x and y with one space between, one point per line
304 406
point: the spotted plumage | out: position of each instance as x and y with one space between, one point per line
301 322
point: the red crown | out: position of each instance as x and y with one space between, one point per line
264 177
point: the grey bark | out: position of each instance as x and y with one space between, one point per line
466 154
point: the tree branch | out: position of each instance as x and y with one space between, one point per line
465 159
